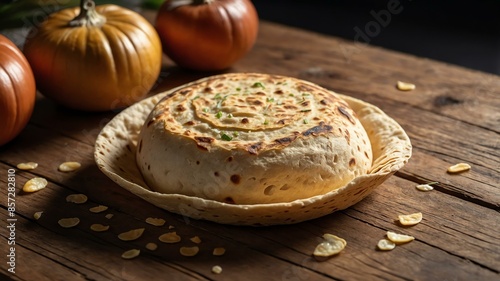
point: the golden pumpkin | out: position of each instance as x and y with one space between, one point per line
94 58
17 90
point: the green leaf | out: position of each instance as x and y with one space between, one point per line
225 137
258 85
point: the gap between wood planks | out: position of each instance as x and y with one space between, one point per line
200 225
114 242
41 253
47 234
347 213
448 189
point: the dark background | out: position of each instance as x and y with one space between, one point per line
465 33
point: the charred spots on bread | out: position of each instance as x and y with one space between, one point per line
253 101
169 96
316 130
347 137
346 114
180 107
236 179
161 112
304 88
285 140
260 130
254 148
157 116
305 103
204 142
208 140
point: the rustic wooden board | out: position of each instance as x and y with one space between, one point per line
451 117
364 224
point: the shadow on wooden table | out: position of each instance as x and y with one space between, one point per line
57 135
245 246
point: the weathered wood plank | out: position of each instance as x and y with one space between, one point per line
38 264
140 209
97 255
340 65
457 227
68 255
435 150
462 240
78 250
362 226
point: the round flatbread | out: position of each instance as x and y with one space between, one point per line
117 145
248 138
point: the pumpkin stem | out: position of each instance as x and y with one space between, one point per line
88 15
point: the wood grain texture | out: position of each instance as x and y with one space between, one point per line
451 117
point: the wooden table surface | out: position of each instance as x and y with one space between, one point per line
452 116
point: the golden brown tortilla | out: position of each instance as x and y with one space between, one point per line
248 138
117 143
